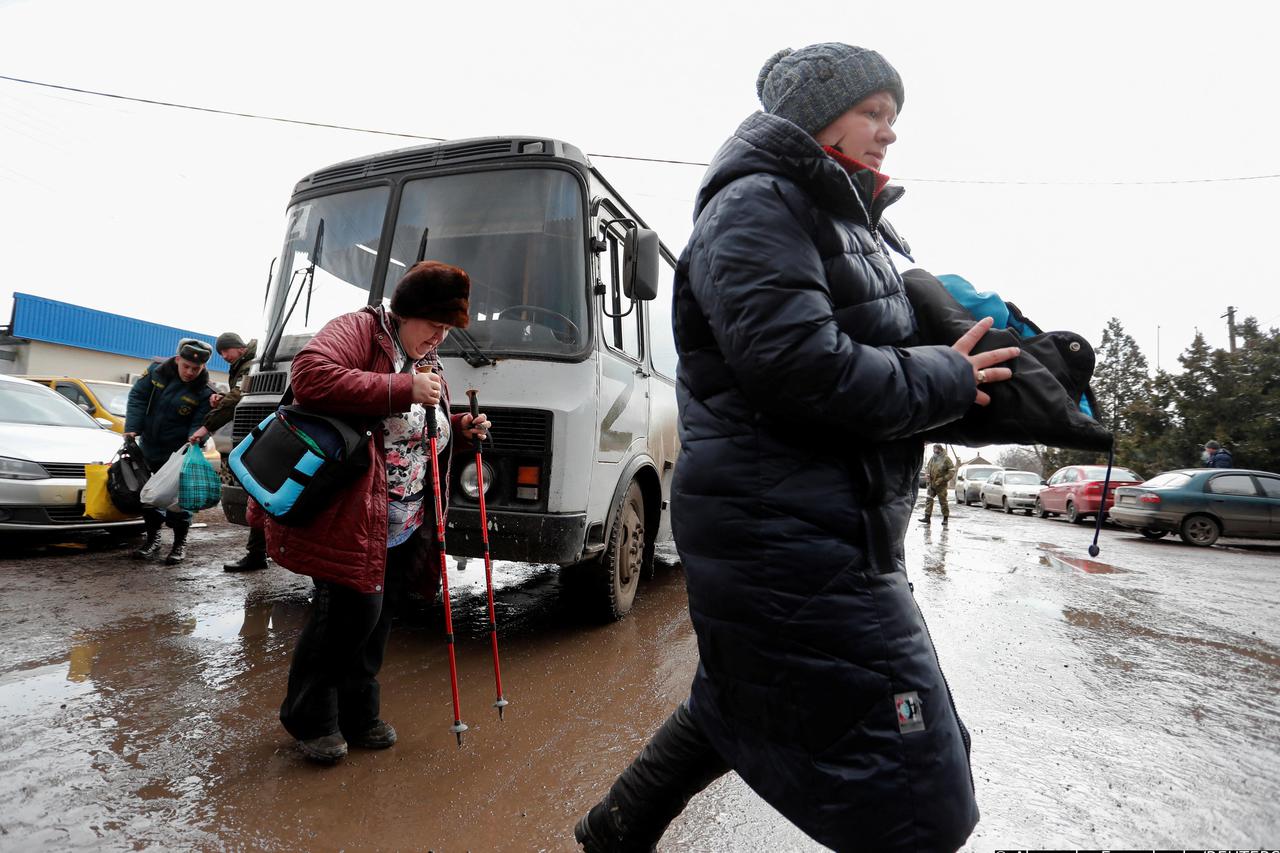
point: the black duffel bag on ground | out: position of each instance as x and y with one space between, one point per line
126 477
295 461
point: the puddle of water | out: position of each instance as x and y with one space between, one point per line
1053 557
34 691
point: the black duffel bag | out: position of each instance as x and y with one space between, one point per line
126 477
1041 403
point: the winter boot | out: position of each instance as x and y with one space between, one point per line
329 749
255 557
178 552
379 735
677 763
151 548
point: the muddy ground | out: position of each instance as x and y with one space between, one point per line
1128 701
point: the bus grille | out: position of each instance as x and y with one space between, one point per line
518 430
249 416
269 382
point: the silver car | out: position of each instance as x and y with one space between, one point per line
45 442
969 479
1011 490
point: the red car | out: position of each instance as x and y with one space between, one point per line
1076 490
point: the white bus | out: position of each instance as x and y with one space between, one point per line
570 343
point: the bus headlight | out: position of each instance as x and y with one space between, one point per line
470 482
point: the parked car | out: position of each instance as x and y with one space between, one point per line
106 401
1075 491
969 479
1202 504
45 442
1011 490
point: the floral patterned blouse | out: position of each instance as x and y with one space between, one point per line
408 462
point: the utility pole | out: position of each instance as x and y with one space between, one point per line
1231 325
1157 348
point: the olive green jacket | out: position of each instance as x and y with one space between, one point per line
226 409
938 472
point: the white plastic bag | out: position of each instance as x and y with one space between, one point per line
161 491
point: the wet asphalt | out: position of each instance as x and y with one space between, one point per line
1127 701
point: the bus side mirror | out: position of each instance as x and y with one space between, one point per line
640 264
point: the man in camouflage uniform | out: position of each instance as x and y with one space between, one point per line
937 478
239 355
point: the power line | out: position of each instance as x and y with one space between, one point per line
667 161
217 111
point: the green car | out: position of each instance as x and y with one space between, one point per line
1202 504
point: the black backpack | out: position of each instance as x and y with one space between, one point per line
126 477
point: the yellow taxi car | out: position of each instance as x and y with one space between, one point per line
105 401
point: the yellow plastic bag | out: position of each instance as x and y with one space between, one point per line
97 503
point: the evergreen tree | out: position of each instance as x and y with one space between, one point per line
1121 379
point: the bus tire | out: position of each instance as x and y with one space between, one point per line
609 581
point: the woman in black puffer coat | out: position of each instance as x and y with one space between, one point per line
800 414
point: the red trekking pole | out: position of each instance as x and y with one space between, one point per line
458 726
488 564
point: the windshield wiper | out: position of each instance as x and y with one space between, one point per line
308 277
472 353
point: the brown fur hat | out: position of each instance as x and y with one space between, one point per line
431 290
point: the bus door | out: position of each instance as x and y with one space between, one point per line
624 379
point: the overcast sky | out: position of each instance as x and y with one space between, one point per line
174 216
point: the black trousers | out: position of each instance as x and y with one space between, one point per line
676 763
257 544
333 680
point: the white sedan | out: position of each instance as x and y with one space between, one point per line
1011 490
45 442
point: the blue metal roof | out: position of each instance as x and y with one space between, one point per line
49 320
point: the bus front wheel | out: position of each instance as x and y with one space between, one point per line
609 581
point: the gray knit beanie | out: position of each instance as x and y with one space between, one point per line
228 340
815 85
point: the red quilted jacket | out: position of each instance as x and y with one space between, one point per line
348 369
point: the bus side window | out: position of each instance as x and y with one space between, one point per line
623 332
662 343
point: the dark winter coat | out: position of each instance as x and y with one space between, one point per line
348 369
163 410
800 412
1220 458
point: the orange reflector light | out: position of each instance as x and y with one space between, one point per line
528 475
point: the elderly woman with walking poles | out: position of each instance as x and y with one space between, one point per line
801 413
376 540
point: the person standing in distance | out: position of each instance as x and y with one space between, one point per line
1216 456
937 479
800 411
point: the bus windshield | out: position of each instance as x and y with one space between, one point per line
299 304
519 235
